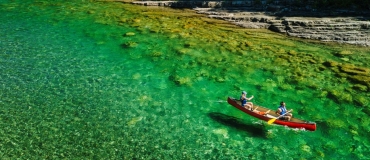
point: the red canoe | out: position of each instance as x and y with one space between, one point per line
260 114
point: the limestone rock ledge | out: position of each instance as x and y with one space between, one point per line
352 30
279 18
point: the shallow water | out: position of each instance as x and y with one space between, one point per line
111 80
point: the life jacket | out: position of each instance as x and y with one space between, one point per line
283 110
244 101
261 113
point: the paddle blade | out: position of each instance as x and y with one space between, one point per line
271 121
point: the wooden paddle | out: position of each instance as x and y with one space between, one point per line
271 121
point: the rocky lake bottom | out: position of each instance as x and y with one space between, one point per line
109 80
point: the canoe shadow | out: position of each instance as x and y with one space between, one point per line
252 129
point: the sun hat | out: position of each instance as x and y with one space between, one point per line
244 92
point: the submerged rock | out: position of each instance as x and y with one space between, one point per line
330 63
130 34
353 70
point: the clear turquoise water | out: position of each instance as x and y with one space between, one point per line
74 85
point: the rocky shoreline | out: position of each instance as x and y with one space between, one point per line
351 30
340 26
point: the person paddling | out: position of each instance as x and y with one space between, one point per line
283 113
244 100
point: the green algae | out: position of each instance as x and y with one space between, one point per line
142 96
